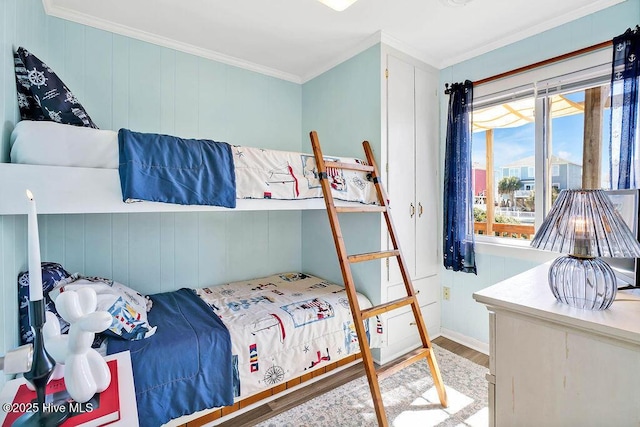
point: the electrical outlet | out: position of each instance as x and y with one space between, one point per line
446 293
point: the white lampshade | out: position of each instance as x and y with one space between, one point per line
585 225
338 5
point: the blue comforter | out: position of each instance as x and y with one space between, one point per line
164 168
186 365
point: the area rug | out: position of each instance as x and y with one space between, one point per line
409 396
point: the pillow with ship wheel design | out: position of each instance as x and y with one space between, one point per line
43 96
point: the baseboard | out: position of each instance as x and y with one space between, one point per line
465 340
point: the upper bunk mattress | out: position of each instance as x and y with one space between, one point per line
259 173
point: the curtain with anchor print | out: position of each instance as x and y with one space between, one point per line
624 148
458 251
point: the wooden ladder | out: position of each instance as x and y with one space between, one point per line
345 260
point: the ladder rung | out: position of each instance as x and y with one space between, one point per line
388 306
370 256
402 362
360 209
350 166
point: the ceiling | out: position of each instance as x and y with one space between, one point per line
298 39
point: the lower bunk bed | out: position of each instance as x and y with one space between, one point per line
231 345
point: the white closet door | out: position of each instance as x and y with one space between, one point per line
427 183
400 146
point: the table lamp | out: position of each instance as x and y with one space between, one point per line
585 225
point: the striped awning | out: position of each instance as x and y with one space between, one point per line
520 112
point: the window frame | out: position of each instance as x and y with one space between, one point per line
585 70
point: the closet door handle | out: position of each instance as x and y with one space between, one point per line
420 209
412 210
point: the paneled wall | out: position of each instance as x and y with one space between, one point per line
344 106
123 82
128 83
159 252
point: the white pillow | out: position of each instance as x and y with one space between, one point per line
57 144
127 307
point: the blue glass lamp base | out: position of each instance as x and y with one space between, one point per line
587 283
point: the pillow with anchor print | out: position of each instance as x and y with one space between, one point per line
43 96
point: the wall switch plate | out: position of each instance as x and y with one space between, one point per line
446 293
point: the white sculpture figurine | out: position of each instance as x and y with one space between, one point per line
85 371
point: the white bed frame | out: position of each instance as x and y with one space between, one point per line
75 190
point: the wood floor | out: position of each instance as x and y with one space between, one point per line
273 408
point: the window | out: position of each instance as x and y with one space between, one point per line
532 138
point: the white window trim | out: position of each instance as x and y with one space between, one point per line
520 249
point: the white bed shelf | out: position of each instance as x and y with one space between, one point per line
71 190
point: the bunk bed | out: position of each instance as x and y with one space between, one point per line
82 166
74 175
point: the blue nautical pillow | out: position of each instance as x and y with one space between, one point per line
29 109
43 96
52 274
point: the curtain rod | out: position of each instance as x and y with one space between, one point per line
558 58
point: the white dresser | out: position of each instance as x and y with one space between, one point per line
554 365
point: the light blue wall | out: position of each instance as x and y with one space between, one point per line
128 83
461 314
344 106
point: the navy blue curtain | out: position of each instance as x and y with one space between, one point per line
624 147
458 252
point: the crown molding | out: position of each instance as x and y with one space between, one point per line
530 31
365 44
101 24
372 40
407 49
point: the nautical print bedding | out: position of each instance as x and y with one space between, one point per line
286 325
271 174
